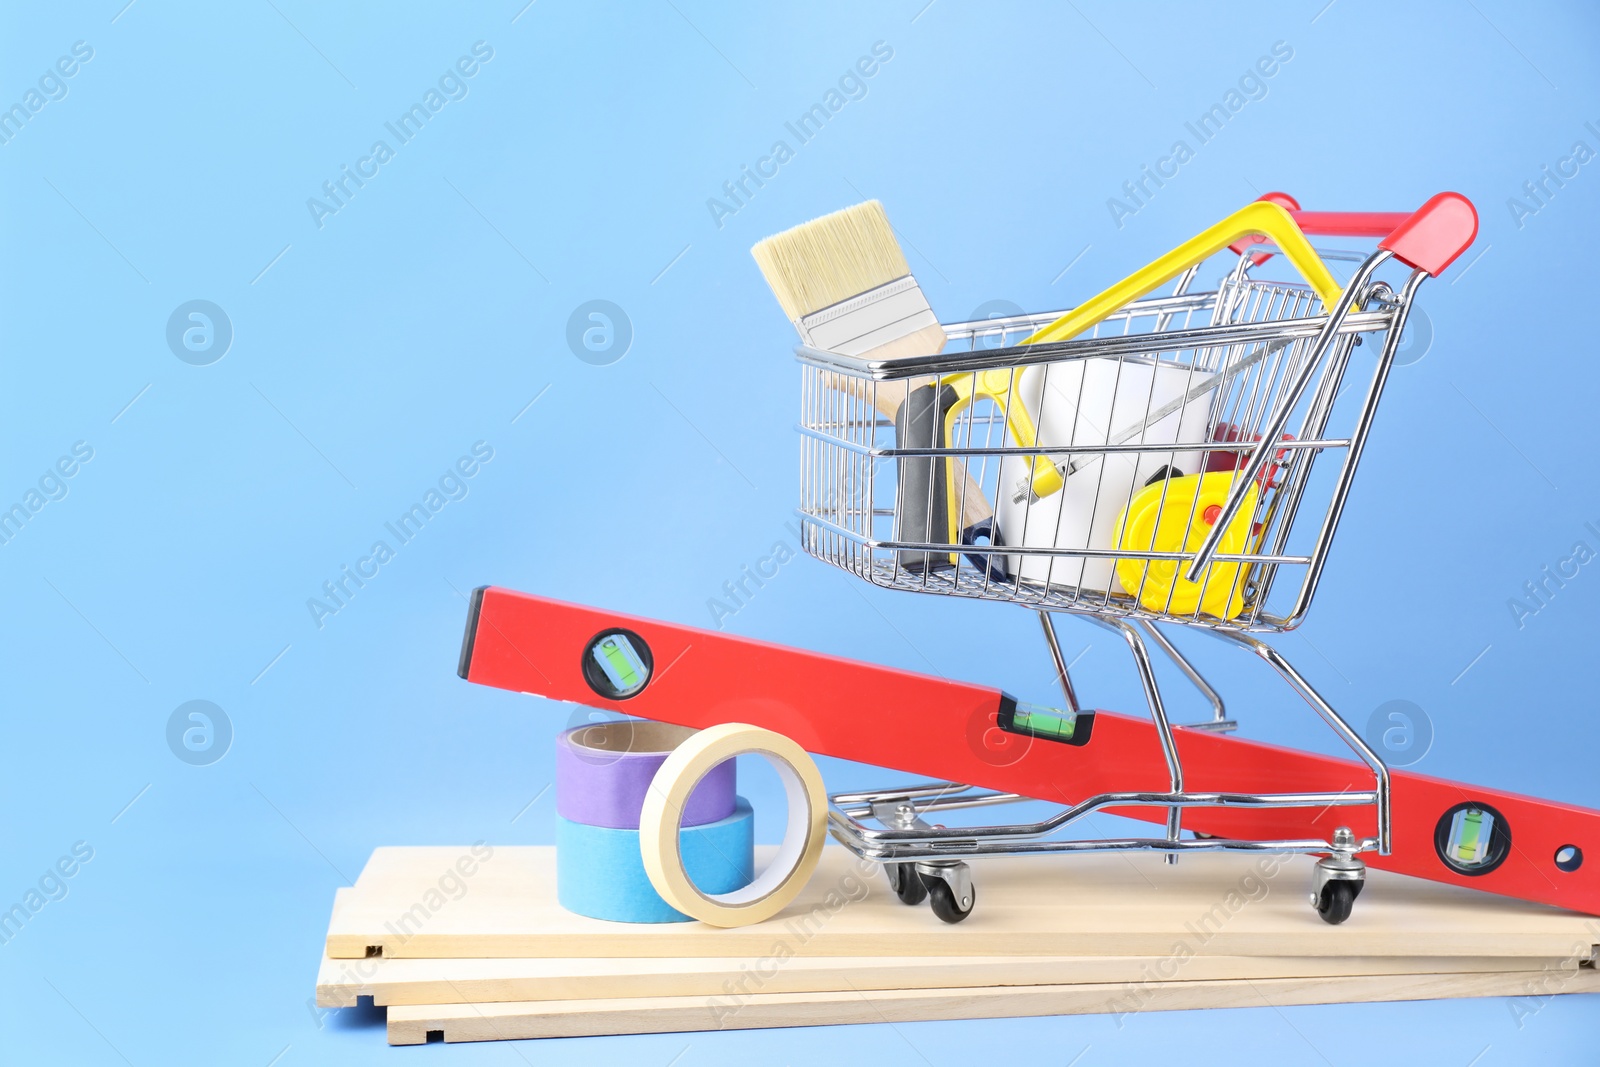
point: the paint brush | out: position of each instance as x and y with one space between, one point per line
845 284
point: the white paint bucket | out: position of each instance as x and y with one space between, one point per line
1096 402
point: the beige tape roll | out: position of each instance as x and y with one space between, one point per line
785 876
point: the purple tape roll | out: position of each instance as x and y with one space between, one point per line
604 770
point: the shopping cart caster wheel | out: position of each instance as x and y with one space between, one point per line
905 882
1336 900
943 900
950 891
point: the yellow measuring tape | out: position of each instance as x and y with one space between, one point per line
1175 515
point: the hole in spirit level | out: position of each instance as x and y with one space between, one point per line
1051 724
1472 838
617 664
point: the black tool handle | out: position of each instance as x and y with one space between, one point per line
922 501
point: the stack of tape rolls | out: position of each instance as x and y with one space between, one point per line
603 775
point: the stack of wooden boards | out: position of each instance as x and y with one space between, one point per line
469 944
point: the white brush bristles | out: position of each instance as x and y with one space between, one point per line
821 262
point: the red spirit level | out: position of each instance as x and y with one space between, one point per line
959 732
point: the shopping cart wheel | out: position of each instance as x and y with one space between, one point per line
1336 900
905 882
950 890
1339 878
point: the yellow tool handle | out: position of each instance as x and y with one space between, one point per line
1260 218
998 386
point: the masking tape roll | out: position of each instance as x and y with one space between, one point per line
772 890
604 770
599 872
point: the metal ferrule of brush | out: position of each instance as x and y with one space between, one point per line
870 319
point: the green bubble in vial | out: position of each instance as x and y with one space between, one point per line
1044 722
1469 831
621 663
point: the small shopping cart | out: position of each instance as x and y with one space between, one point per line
1145 461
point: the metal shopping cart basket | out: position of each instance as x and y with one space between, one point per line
1145 461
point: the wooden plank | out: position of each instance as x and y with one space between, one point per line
415 903
402 981
410 1025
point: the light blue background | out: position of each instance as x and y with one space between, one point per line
430 310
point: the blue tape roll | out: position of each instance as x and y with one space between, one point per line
599 872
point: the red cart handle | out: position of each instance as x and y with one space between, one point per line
1429 238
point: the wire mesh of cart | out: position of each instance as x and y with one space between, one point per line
1178 460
